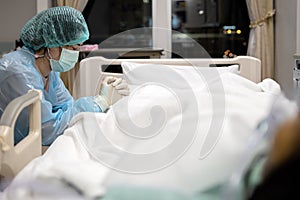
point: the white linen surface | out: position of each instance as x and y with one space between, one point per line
75 156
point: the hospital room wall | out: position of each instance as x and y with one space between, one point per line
13 15
285 44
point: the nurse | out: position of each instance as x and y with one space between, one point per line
51 43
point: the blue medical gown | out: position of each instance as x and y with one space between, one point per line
18 75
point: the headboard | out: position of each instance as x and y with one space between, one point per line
91 69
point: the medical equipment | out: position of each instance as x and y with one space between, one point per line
68 59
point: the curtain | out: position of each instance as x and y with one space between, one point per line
69 77
78 4
261 38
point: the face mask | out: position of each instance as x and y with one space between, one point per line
67 60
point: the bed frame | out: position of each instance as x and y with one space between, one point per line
91 71
14 157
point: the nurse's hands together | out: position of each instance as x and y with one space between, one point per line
120 86
112 89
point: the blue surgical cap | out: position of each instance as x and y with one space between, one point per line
55 27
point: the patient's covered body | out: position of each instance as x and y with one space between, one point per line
184 137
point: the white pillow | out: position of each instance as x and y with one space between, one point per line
137 74
231 68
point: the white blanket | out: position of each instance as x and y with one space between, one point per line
98 150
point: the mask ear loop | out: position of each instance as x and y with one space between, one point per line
48 56
48 53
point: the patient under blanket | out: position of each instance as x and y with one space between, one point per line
164 137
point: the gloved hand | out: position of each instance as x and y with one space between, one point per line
112 89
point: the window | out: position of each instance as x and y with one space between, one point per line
106 18
217 25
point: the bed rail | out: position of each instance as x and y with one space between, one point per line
14 157
91 69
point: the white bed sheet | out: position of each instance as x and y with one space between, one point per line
70 158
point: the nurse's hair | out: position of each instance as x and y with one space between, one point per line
55 27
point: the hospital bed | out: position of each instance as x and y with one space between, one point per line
71 168
14 158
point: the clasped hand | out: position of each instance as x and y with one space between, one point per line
112 89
